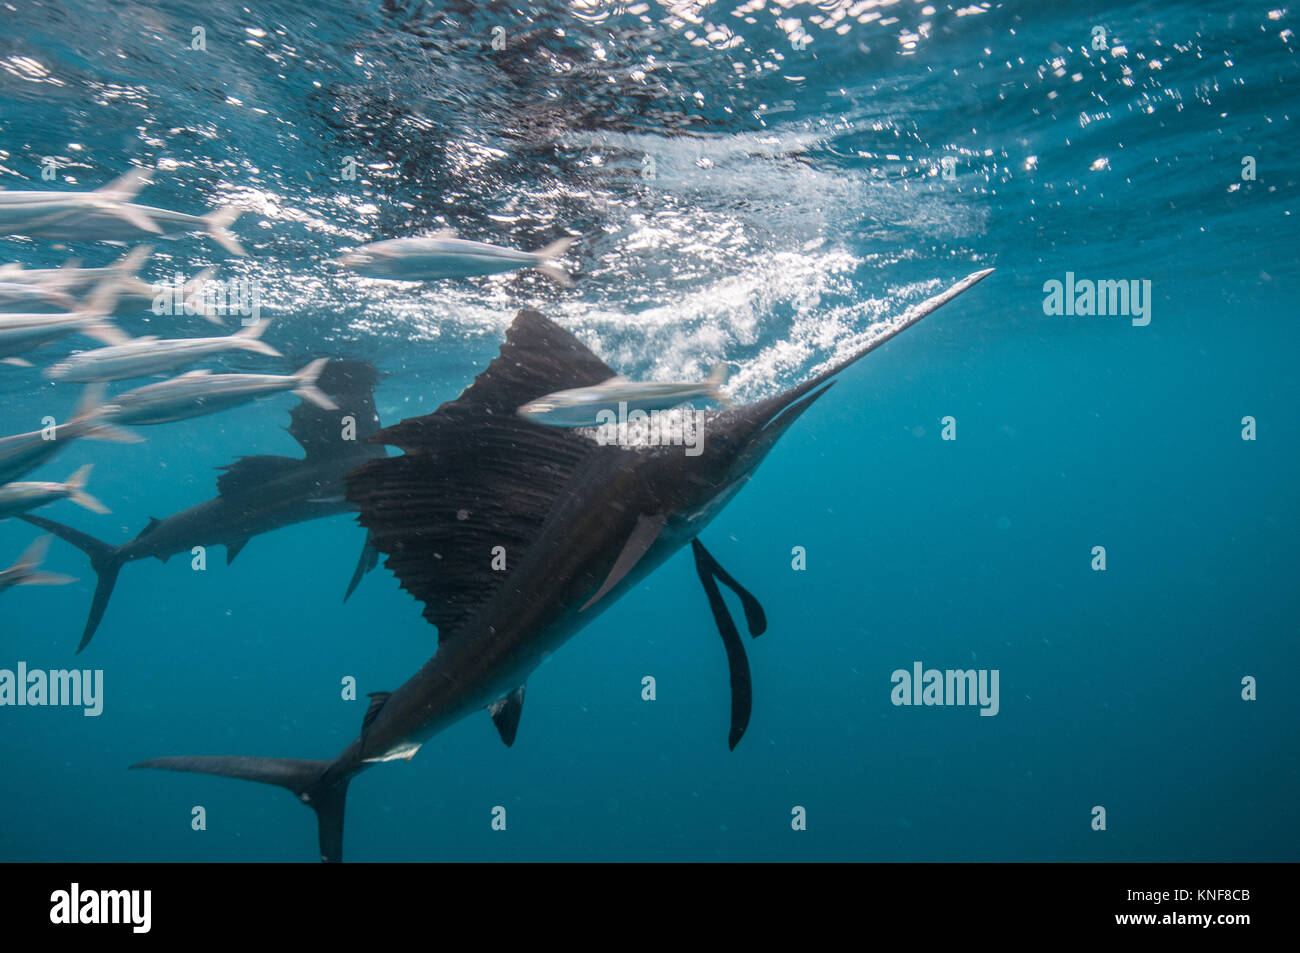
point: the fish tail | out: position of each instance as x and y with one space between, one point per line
112 434
218 222
41 578
101 299
50 290
116 198
76 489
90 409
132 261
307 388
717 377
249 339
546 266
106 560
195 286
64 276
96 308
106 332
555 273
34 554
556 249
308 780
90 402
32 557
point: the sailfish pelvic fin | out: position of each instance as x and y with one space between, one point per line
737 662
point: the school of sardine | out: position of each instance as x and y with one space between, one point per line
40 307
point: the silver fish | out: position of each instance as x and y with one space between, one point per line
445 256
17 294
580 406
133 293
25 573
20 333
108 215
24 452
73 279
201 392
18 498
20 208
149 355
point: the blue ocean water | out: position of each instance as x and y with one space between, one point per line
758 183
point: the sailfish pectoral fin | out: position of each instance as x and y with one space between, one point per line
738 664
505 714
643 536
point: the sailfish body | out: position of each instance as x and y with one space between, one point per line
577 524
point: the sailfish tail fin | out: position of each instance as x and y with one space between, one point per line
304 778
106 560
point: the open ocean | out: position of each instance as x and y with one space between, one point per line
757 183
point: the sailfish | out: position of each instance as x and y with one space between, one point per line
515 536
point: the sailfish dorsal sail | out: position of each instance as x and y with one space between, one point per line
475 476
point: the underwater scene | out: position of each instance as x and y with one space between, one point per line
755 430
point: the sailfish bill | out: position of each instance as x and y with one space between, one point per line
581 524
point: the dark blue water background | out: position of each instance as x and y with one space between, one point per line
798 196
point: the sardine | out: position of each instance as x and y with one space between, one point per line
580 406
445 256
18 498
150 355
200 392
25 573
108 215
